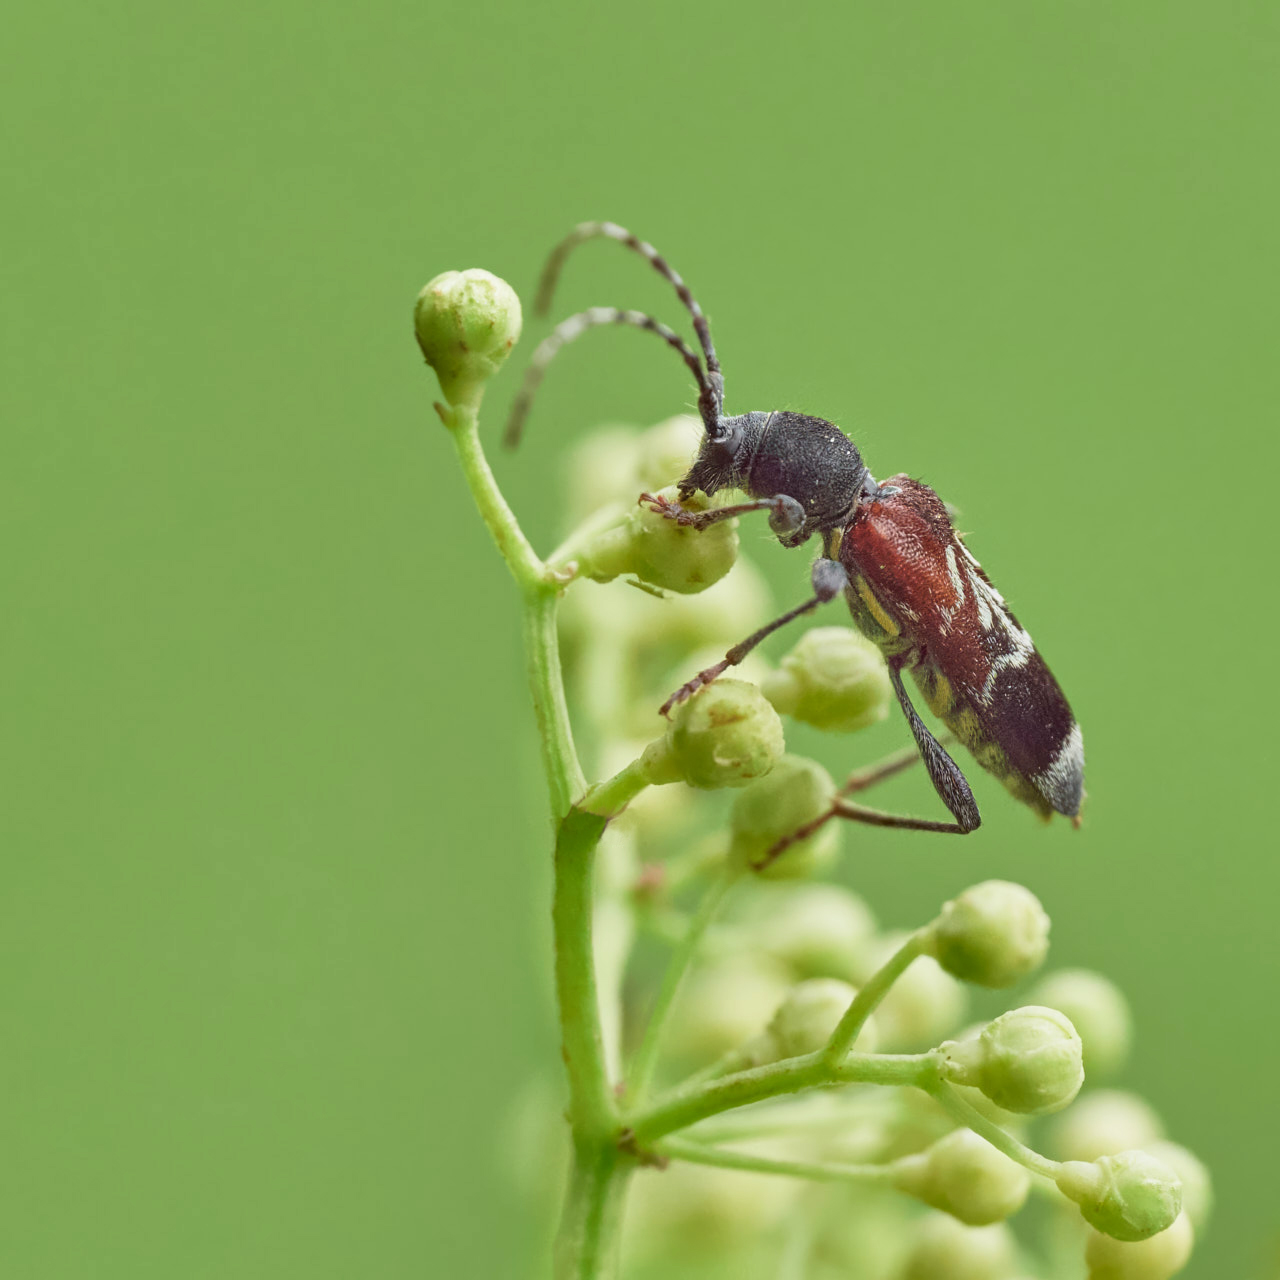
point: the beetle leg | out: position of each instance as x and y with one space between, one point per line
785 514
828 578
944 773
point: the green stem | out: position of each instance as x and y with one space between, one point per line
592 1113
565 778
866 1001
609 798
685 1107
463 423
814 1170
586 1245
960 1111
647 1054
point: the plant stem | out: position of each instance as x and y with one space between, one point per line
816 1171
463 423
592 1113
647 1054
586 1244
687 1106
959 1110
865 1002
565 778
609 798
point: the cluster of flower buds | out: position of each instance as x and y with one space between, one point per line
801 973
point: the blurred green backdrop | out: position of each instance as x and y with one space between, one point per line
272 944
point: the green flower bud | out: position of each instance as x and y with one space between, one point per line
1129 1196
695 1210
946 1250
659 551
1197 1186
807 1017
1027 1061
922 1006
819 931
722 1005
795 792
664 452
466 323
726 735
717 618
993 934
965 1176
1103 1123
834 679
600 471
1097 1011
1158 1258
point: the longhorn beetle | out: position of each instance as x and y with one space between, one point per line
911 585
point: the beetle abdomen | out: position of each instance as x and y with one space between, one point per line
918 593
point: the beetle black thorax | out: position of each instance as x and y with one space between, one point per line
768 454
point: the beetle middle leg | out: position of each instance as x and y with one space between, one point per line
829 580
842 807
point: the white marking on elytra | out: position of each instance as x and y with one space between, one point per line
953 572
1062 772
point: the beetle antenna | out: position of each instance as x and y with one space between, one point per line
589 231
574 327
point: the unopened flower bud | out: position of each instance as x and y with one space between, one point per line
922 1006
466 323
811 1011
1102 1123
1197 1186
965 1176
819 931
993 934
1159 1258
697 1210
1129 1196
1027 1061
1097 1011
726 735
664 452
796 792
834 679
662 552
944 1249
723 1005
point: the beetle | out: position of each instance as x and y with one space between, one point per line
911 584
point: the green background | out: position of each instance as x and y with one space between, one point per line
272 931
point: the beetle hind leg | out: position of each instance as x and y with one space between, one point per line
950 784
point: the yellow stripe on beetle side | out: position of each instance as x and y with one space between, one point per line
875 608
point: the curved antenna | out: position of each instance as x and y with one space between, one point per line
574 327
611 230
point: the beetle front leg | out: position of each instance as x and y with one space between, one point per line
786 515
